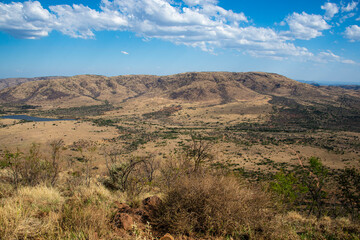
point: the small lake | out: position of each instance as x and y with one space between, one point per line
34 119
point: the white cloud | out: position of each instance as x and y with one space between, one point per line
330 10
197 23
25 20
305 26
353 33
347 16
349 7
328 56
348 61
30 20
358 19
199 2
80 21
125 53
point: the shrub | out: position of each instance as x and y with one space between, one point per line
30 169
130 175
349 181
288 188
212 205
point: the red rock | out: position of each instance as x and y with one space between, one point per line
124 220
122 207
167 237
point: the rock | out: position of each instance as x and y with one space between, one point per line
124 220
122 207
151 203
167 237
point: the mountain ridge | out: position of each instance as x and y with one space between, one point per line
204 87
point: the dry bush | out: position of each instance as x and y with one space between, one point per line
31 213
132 175
174 166
212 205
31 168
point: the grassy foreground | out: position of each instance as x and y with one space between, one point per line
40 198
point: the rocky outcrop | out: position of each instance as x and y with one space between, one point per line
126 217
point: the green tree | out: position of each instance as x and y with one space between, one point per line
288 187
313 176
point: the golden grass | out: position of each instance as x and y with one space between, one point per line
41 212
31 212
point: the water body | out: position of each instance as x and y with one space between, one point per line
34 119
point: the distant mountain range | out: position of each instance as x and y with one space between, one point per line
291 100
12 82
216 87
346 86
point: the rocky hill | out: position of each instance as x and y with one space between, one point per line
214 87
12 82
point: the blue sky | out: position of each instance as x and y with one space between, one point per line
304 40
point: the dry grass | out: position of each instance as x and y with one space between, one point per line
43 213
293 225
23 134
30 213
87 213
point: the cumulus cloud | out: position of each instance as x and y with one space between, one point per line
330 10
204 25
305 26
80 21
197 23
125 53
353 33
27 20
31 20
349 7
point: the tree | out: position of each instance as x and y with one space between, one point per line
199 151
288 187
314 176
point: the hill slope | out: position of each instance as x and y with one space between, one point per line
12 82
216 87
292 103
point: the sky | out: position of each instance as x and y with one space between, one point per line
308 40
